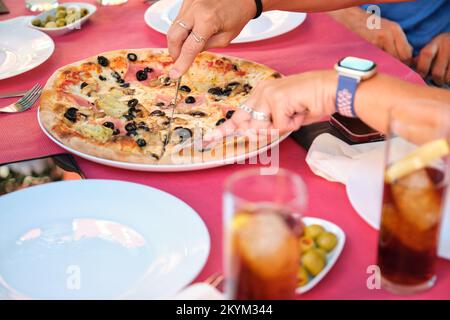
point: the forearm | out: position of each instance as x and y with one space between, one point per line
413 104
316 5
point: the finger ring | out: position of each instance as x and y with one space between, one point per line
261 116
245 108
197 37
182 24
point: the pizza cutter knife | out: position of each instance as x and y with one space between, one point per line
174 105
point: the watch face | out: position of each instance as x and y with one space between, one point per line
357 64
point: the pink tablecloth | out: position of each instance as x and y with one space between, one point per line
316 44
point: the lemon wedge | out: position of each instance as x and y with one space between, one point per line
418 159
240 220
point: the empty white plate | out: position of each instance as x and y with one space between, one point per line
331 256
98 239
270 24
22 48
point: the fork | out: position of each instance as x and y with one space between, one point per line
26 102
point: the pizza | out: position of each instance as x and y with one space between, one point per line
118 105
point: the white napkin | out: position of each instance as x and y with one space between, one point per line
333 159
199 291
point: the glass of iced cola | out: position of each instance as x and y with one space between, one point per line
262 224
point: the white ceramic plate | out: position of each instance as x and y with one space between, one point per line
165 167
98 239
70 27
271 24
331 257
22 48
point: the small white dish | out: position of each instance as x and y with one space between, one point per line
54 32
331 256
271 24
22 48
98 239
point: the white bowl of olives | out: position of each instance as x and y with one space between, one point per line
63 19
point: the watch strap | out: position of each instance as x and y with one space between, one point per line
345 95
259 8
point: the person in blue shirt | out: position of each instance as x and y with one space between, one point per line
416 32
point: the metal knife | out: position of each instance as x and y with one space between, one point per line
174 105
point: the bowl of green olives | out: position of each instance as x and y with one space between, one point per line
63 19
320 246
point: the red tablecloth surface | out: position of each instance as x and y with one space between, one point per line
316 44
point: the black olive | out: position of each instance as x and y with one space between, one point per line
166 123
247 88
133 103
132 56
166 81
141 75
235 67
125 85
148 70
120 81
158 113
160 104
116 132
132 133
142 125
190 100
104 62
71 114
102 78
83 85
130 126
229 114
218 123
215 91
129 117
227 92
185 89
198 114
154 155
115 75
141 142
183 133
233 84
108 124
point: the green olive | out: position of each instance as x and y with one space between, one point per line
61 8
36 23
51 24
302 277
49 18
71 11
306 243
84 12
71 19
60 23
327 241
60 15
313 231
313 262
322 252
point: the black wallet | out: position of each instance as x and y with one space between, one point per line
306 135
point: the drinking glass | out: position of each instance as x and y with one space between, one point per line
41 5
111 2
262 226
415 177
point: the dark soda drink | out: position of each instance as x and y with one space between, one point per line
409 230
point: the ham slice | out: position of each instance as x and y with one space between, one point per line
133 68
77 100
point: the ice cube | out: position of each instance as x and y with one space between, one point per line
267 246
417 200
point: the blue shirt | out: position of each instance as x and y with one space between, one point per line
421 20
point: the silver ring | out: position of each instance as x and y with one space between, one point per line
245 108
182 24
197 38
261 116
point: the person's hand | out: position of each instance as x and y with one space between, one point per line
203 24
434 59
290 102
390 37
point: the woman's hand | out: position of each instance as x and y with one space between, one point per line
290 102
214 23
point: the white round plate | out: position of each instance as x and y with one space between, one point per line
70 27
98 239
165 167
22 48
271 24
331 256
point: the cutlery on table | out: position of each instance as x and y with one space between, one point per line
13 94
26 102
